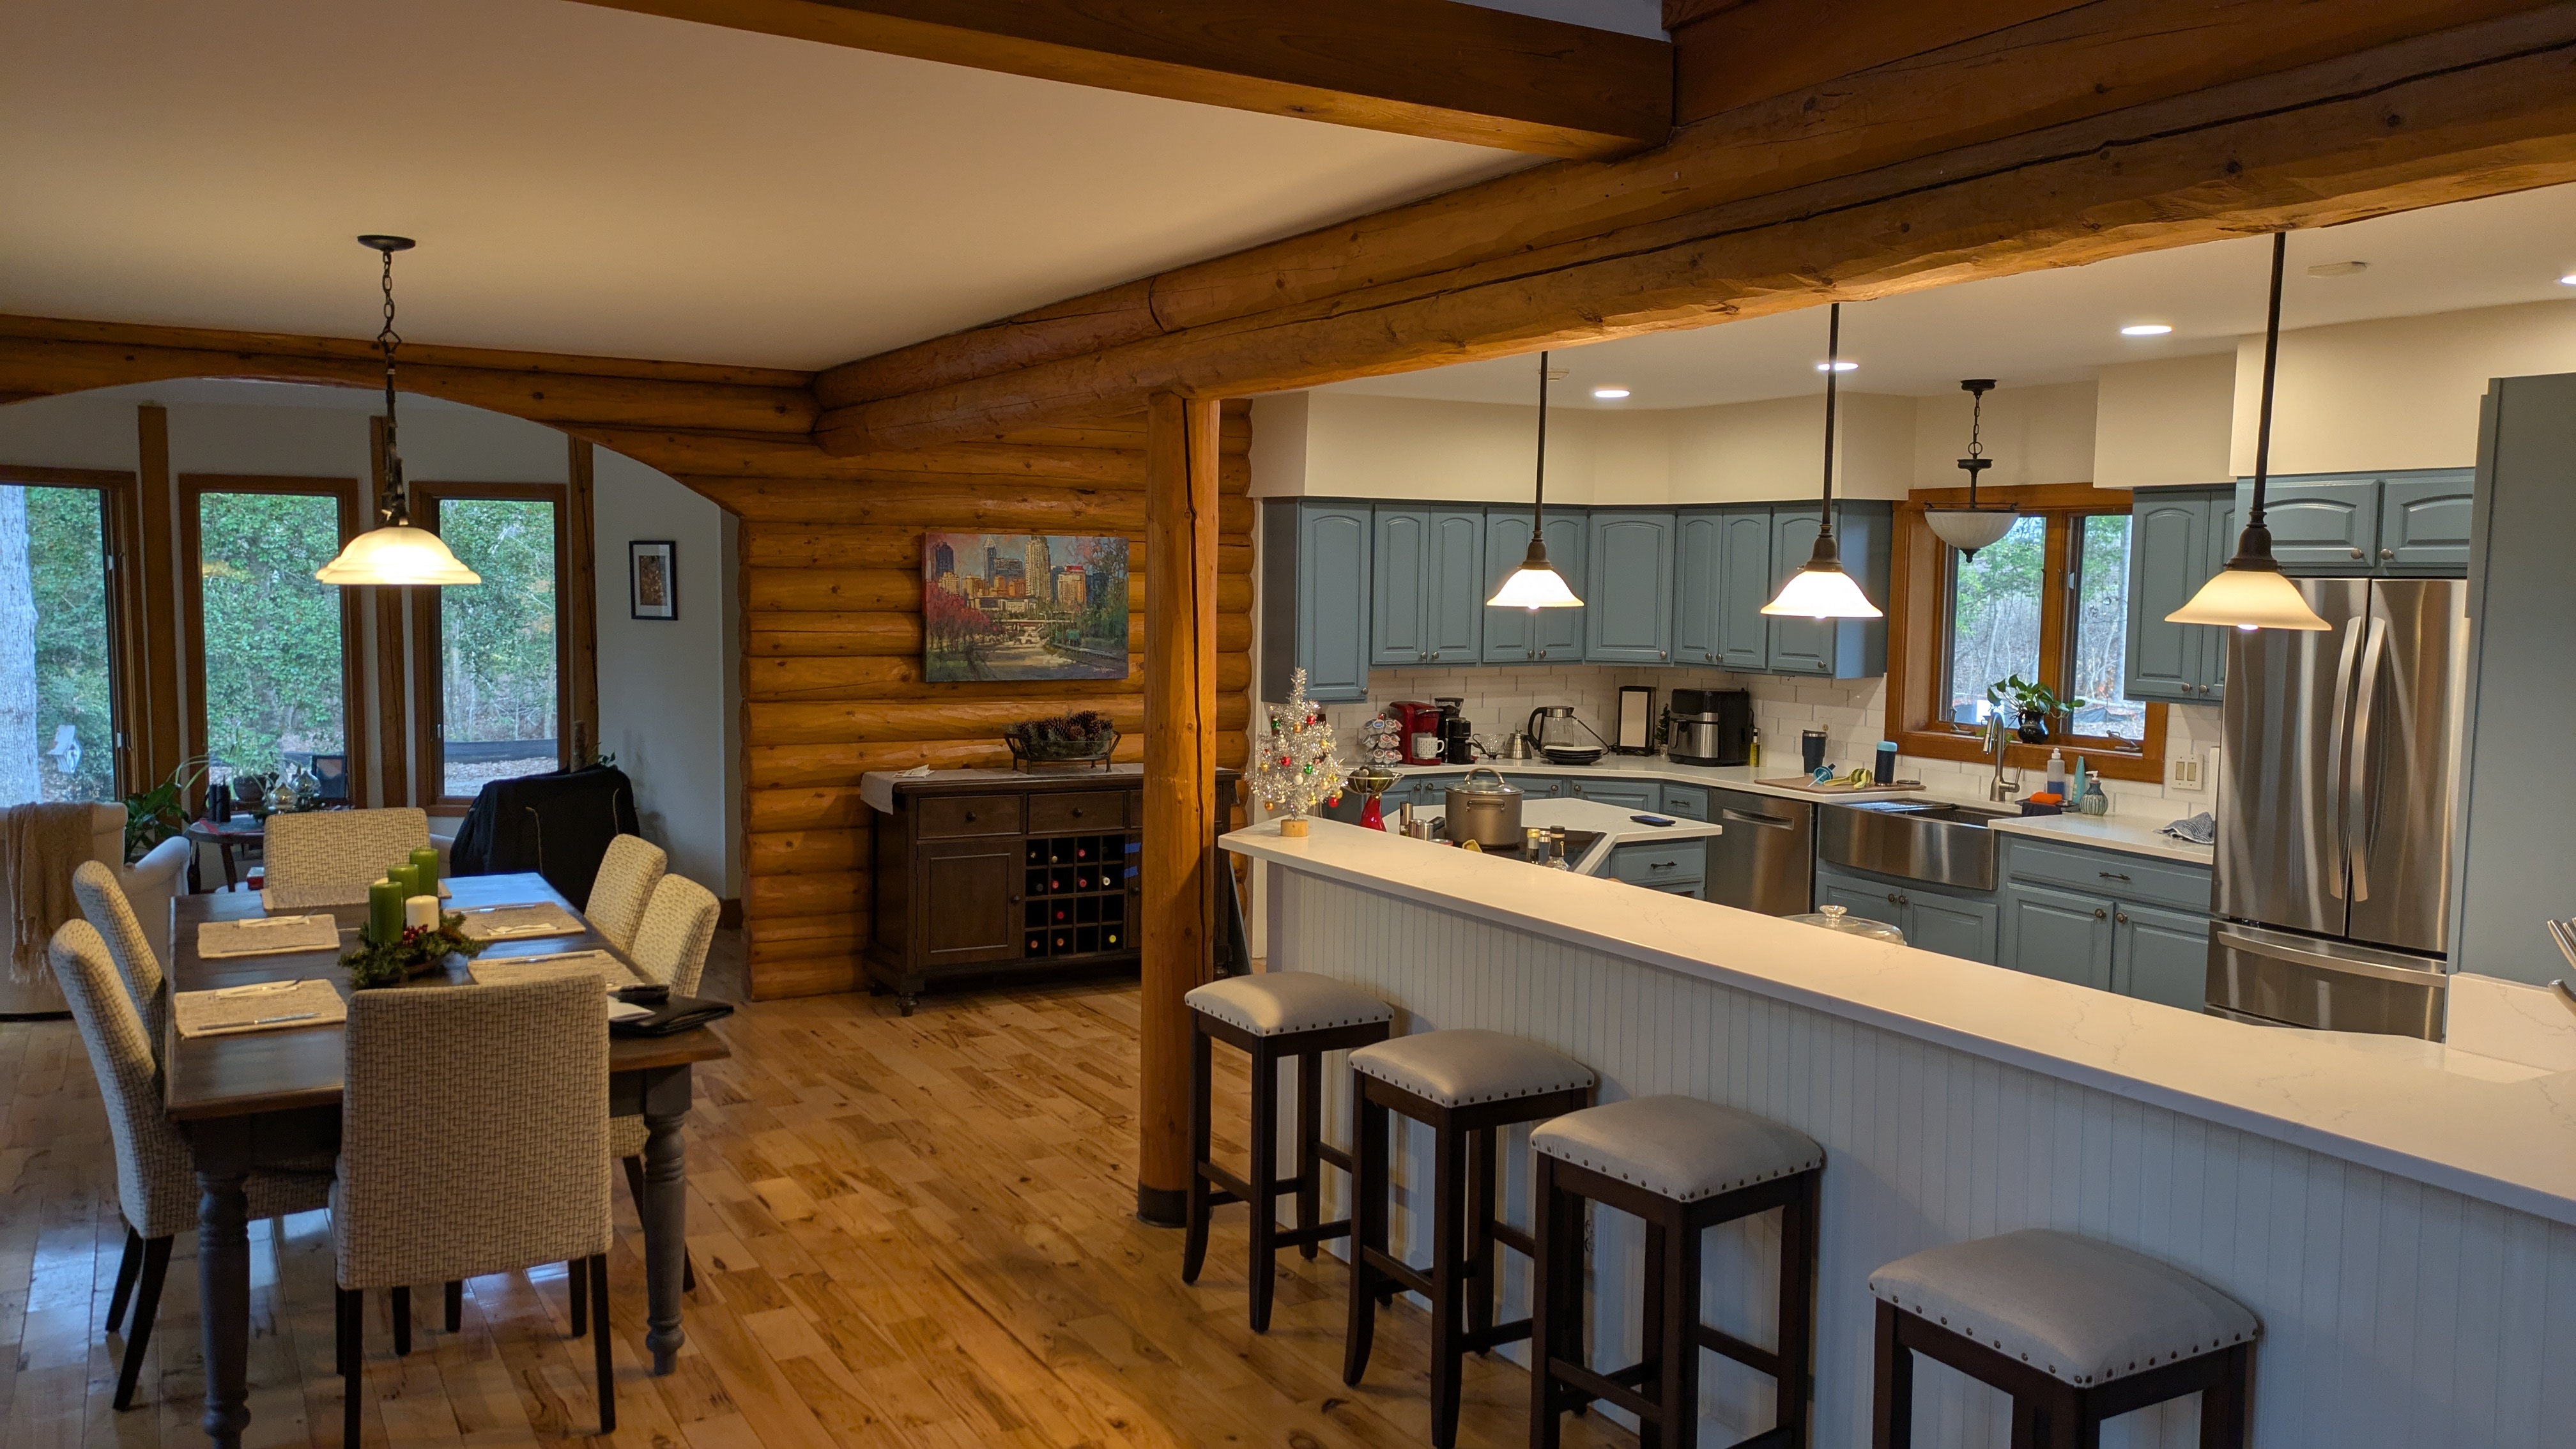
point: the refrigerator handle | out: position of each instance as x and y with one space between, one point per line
2337 795
2356 796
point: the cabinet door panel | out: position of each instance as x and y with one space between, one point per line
1743 587
1866 899
1696 592
2225 520
2160 956
1625 794
2058 933
1518 636
2168 562
1628 616
1798 646
1560 631
1951 925
1333 601
970 903
1400 587
1453 613
2321 526
2424 525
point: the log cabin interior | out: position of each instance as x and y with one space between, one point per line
1788 722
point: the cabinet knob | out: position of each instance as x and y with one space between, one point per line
2121 916
2388 553
2100 914
1661 654
970 817
1902 900
2357 553
1894 899
1077 814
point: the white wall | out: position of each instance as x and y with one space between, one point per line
2163 423
2036 435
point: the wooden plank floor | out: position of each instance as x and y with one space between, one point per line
907 1232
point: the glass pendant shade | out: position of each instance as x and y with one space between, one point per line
1822 592
396 554
1968 530
1535 585
2249 598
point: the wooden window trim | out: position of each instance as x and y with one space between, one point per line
427 639
1917 629
120 544
353 688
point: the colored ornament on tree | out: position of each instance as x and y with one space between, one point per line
1297 772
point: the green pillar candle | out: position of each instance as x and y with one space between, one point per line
385 910
424 870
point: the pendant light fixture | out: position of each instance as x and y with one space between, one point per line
1820 589
2250 592
1536 584
1971 528
394 553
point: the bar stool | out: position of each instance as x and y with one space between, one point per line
1684 1166
2076 1331
1274 1016
1466 1085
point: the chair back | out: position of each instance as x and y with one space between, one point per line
103 902
473 1131
679 925
624 885
340 847
156 1179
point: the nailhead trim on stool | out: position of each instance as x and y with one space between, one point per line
1286 1001
1467 1066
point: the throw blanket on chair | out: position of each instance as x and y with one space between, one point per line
40 847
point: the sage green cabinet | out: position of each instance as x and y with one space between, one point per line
2424 523
1933 918
1522 636
1628 613
1315 564
1721 578
2058 933
2178 537
1832 648
2413 523
1428 569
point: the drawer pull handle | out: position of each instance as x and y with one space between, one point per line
2111 875
1662 864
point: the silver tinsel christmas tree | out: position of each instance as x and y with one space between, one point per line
1293 766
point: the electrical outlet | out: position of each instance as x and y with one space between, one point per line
2186 773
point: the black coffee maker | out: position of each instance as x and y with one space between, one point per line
1457 733
1711 727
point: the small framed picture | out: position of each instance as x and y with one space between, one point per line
652 579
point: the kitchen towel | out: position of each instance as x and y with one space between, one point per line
2201 829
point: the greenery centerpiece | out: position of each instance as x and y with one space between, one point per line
416 950
2032 706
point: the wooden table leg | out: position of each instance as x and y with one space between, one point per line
665 1212
223 1276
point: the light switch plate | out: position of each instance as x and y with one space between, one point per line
2186 773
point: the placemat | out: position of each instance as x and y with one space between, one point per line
267 936
316 897
509 970
268 1006
519 923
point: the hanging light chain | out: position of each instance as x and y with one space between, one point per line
394 504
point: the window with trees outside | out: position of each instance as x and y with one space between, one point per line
490 657
273 670
2047 603
58 723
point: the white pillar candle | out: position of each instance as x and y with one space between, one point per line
420 911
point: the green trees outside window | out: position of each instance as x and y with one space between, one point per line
275 679
498 650
57 729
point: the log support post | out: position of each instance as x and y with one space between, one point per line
1180 782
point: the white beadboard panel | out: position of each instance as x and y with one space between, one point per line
2394 1313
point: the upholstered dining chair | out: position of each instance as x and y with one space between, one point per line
129 945
156 1179
671 949
618 895
340 847
505 1169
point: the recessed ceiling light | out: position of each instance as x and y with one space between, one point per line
1609 393
2146 329
1836 366
2338 269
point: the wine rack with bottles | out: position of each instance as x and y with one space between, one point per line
1074 894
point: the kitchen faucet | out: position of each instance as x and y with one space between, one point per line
1996 742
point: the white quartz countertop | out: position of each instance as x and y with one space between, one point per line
2442 1118
2138 834
1617 827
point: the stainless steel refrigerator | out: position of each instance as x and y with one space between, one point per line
2335 827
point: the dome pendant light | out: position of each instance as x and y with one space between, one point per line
1820 589
2250 592
394 553
1972 528
1536 584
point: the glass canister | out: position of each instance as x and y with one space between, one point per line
1838 918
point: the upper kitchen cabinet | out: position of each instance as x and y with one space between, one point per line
2405 523
1428 573
1833 648
2178 537
1315 564
1528 636
2424 522
1628 615
1721 569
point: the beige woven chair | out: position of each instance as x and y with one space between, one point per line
619 893
156 1179
473 1140
340 847
671 949
138 959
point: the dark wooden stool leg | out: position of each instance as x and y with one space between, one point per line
1794 1401
1264 1179
2029 1426
1655 1308
1194 1238
1310 1158
1677 1359
2223 1404
1483 1292
1448 1270
1546 1276
1892 1396
1368 1228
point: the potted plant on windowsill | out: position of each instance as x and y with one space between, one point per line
2032 706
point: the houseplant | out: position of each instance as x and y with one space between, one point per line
2031 705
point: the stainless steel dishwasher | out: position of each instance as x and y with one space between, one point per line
1766 860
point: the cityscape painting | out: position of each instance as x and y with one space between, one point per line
1022 606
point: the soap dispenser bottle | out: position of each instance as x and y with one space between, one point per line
2057 773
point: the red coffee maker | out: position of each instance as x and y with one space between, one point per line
1419 731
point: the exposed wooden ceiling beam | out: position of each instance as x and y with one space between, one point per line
1435 68
2474 110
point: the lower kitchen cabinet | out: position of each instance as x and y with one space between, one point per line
1625 794
1680 867
1951 923
2050 932
2160 956
1684 802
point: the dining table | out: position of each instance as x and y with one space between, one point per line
271 1099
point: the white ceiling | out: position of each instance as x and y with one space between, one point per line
587 180
2058 326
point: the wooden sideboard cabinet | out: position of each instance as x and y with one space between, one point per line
989 873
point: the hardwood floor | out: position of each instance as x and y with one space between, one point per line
907 1232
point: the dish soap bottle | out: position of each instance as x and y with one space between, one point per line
1754 758
2057 774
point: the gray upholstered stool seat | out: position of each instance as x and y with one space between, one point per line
1677 1147
2076 1310
1278 1002
1466 1065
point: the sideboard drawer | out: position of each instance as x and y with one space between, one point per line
1070 813
947 816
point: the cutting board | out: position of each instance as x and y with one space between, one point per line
1837 787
